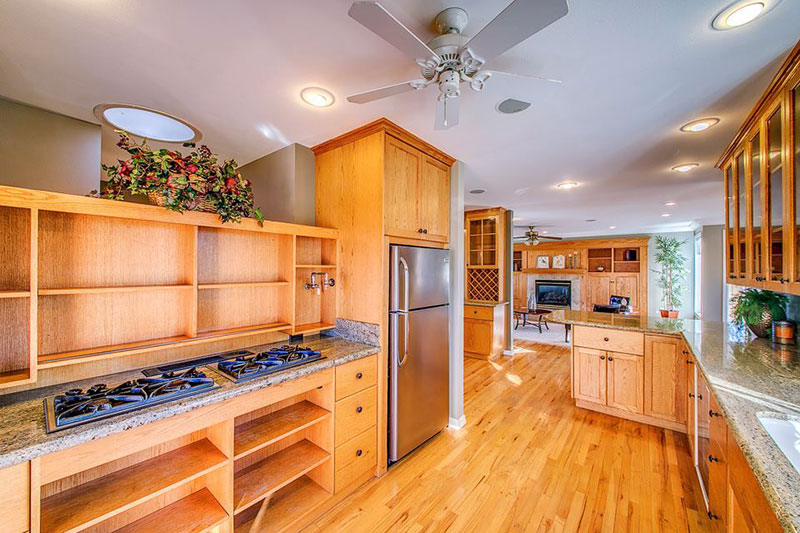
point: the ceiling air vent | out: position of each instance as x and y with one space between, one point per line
510 106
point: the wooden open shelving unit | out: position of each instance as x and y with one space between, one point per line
84 280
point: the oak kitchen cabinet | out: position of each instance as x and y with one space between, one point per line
484 330
416 193
761 169
665 378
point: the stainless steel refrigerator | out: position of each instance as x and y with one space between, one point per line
419 341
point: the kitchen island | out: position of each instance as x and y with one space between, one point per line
745 378
291 439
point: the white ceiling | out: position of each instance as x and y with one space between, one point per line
633 72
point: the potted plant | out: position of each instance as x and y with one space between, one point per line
672 275
195 182
757 309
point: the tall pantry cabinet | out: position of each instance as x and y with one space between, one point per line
379 185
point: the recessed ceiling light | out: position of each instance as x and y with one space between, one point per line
612 227
477 191
666 215
741 12
517 219
669 203
591 220
567 185
317 96
699 125
684 167
146 122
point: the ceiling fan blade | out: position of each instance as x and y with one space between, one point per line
446 113
542 78
551 238
518 21
383 92
374 17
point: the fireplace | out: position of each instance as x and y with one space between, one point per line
553 293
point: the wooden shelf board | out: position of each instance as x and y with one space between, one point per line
313 327
121 350
199 512
266 430
92 502
554 271
205 286
315 266
106 290
14 294
275 472
289 505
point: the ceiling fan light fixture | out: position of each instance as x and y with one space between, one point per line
509 106
317 97
699 125
147 123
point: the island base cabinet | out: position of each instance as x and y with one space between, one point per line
589 375
608 379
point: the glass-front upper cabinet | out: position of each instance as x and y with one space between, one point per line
774 246
741 217
755 259
730 221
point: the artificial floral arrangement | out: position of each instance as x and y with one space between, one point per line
757 309
195 182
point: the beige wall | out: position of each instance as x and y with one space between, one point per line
44 150
283 184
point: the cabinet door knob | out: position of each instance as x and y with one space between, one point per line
419 230
691 395
602 357
712 516
358 453
359 375
712 459
605 339
425 231
610 358
712 414
359 409
689 362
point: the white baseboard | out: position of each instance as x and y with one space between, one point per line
457 423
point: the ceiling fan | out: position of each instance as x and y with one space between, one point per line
532 237
451 58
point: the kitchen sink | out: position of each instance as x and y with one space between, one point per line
786 434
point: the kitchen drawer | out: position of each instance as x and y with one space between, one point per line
355 414
718 429
356 376
478 312
613 340
356 457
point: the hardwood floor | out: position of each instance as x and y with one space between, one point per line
529 460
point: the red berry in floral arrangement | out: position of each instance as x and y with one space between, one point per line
230 183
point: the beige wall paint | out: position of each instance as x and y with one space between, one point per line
48 151
283 184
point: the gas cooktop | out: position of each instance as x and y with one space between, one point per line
252 364
77 406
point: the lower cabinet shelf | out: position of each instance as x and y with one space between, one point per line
199 512
257 434
88 504
285 507
276 471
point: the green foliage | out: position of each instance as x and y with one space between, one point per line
671 278
182 182
749 305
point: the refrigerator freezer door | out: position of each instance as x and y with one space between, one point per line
419 387
419 277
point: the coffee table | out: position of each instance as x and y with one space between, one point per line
522 314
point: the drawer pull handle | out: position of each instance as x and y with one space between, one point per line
605 339
712 414
359 409
602 357
359 375
712 459
358 453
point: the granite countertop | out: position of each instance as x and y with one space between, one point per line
22 427
484 304
748 376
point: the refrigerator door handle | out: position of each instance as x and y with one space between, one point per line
404 351
404 264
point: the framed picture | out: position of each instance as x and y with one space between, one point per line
543 261
558 261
